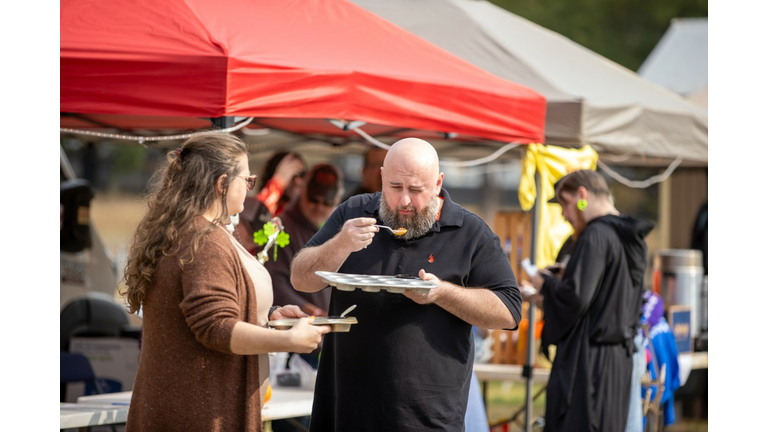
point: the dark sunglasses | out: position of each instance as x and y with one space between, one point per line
250 181
299 175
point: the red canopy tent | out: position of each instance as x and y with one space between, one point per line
291 64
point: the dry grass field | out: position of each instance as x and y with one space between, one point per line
505 398
115 217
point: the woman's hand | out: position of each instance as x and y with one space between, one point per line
288 311
305 337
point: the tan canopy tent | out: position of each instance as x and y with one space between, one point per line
591 100
679 61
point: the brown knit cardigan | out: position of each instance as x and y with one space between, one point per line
188 379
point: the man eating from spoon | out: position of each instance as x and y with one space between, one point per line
407 364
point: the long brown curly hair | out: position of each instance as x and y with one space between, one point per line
182 188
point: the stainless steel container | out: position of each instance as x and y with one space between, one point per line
682 274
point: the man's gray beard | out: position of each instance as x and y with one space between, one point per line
417 225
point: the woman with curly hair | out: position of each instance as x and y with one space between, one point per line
204 299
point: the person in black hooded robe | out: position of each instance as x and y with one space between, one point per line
592 310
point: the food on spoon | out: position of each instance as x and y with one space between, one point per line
399 231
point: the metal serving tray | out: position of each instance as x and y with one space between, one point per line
338 324
373 283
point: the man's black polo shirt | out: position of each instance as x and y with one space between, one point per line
405 366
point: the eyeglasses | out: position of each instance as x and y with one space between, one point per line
250 181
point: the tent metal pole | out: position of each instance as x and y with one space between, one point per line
223 122
531 345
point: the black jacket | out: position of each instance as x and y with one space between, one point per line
591 315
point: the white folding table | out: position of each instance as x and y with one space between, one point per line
112 408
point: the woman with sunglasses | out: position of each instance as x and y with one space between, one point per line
204 299
280 183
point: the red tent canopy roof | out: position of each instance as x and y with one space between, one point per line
278 59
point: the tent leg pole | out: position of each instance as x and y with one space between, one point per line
531 348
528 368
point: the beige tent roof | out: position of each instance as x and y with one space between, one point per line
591 100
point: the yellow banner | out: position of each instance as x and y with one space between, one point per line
552 163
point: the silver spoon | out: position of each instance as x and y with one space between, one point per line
349 309
397 232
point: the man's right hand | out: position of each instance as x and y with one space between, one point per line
356 234
305 337
353 236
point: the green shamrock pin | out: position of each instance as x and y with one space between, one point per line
261 237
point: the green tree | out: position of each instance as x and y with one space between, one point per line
624 31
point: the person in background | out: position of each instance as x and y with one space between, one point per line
204 299
635 416
699 235
280 183
321 192
302 218
592 313
635 411
660 347
370 178
407 364
476 418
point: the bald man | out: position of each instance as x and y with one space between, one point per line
407 364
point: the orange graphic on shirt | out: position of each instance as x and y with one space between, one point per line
431 258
